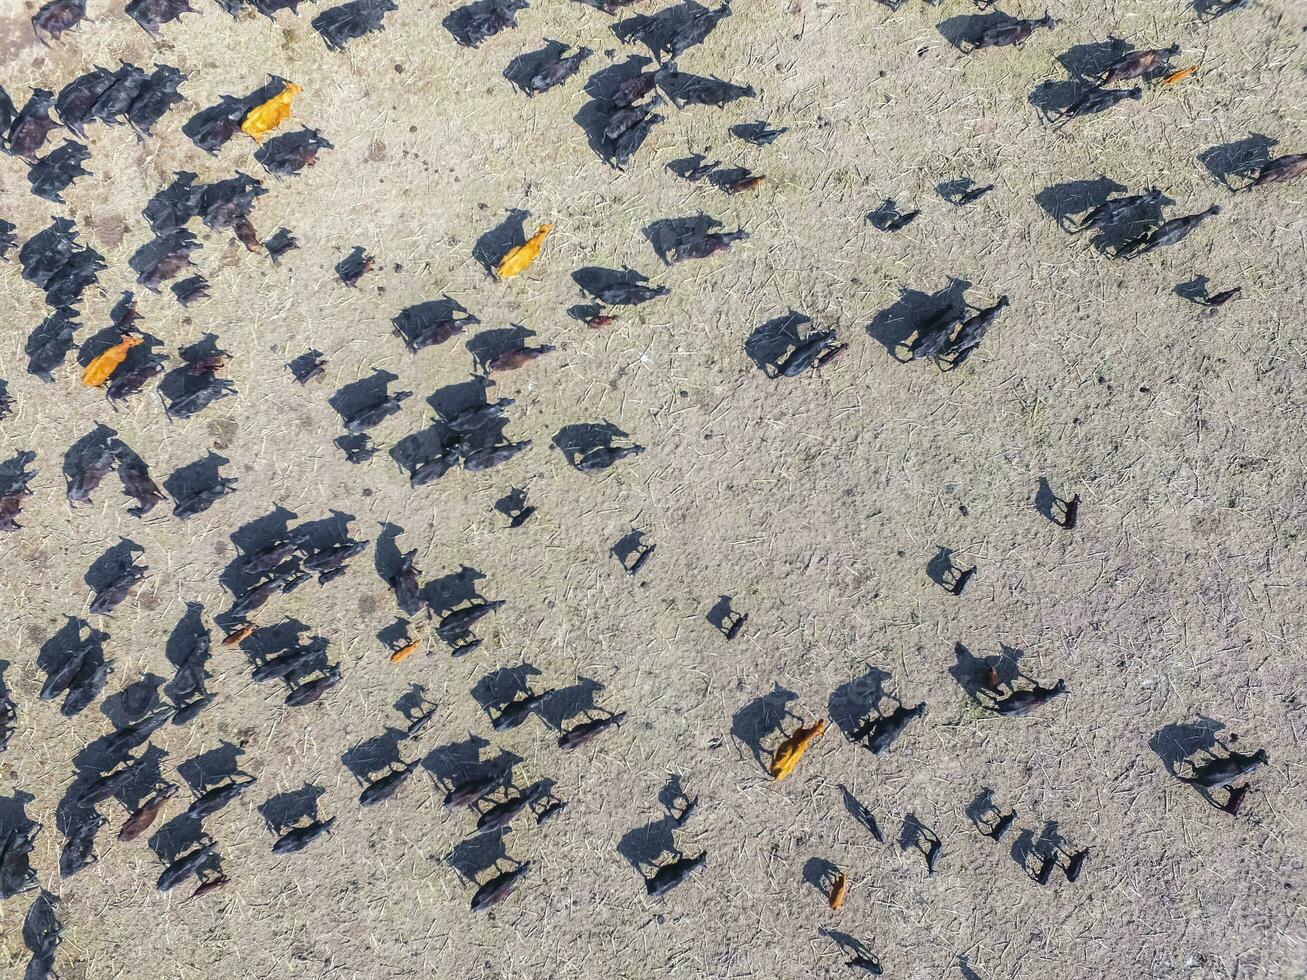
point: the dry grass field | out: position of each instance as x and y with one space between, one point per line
820 505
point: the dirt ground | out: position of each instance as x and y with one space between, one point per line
1174 611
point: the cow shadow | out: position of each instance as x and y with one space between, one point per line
524 67
460 22
1111 240
373 755
416 448
1061 201
943 570
14 474
657 31
251 538
578 440
353 398
962 31
1052 99
1046 500
63 643
722 614
357 449
188 649
916 835
848 945
112 564
212 767
204 350
126 455
884 216
489 344
96 344
450 763
185 481
673 798
770 342
13 812
1210 10
283 638
449 400
301 366
187 378
412 320
48 345
413 703
971 673
1178 742
386 556
892 326
1241 158
1007 664
67 641
268 641
448 592
39 922
627 545
175 838
147 775
286 810
511 503
820 874
461 761
601 86
395 635
477 855
1195 290
752 132
1027 847
453 399
954 190
860 812
594 279
98 439
975 674
570 702
761 718
89 764
1087 62
491 247
500 687
325 532
133 702
685 166
147 351
179 201
646 846
666 235
854 700
982 810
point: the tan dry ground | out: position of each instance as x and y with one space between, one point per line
815 502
